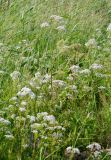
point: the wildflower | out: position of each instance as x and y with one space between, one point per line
10 137
56 18
36 126
68 150
44 25
26 91
22 109
50 119
14 99
23 103
85 72
73 88
13 116
70 78
60 128
44 137
61 28
4 121
97 154
96 66
57 135
50 128
46 78
87 88
15 75
18 118
76 151
100 75
35 131
101 88
41 114
91 43
75 69
2 72
25 146
94 147
32 118
109 28
71 151
59 83
38 75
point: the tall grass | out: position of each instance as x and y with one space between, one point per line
79 100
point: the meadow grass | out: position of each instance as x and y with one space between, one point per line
55 78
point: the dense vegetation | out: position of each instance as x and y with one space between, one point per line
55 79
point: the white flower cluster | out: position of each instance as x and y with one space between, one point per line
15 75
94 147
71 151
57 19
26 91
45 24
96 66
75 69
4 121
38 80
58 83
109 28
91 43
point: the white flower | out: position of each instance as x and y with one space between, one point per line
1 72
44 25
13 99
96 66
25 145
18 118
91 43
94 147
97 154
60 128
68 150
23 103
46 78
87 88
101 87
50 119
38 75
76 151
13 116
59 83
109 28
32 118
70 78
85 71
36 126
56 18
15 75
10 137
71 150
101 75
4 121
22 109
73 87
41 114
34 131
57 135
26 91
75 69
61 28
50 128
